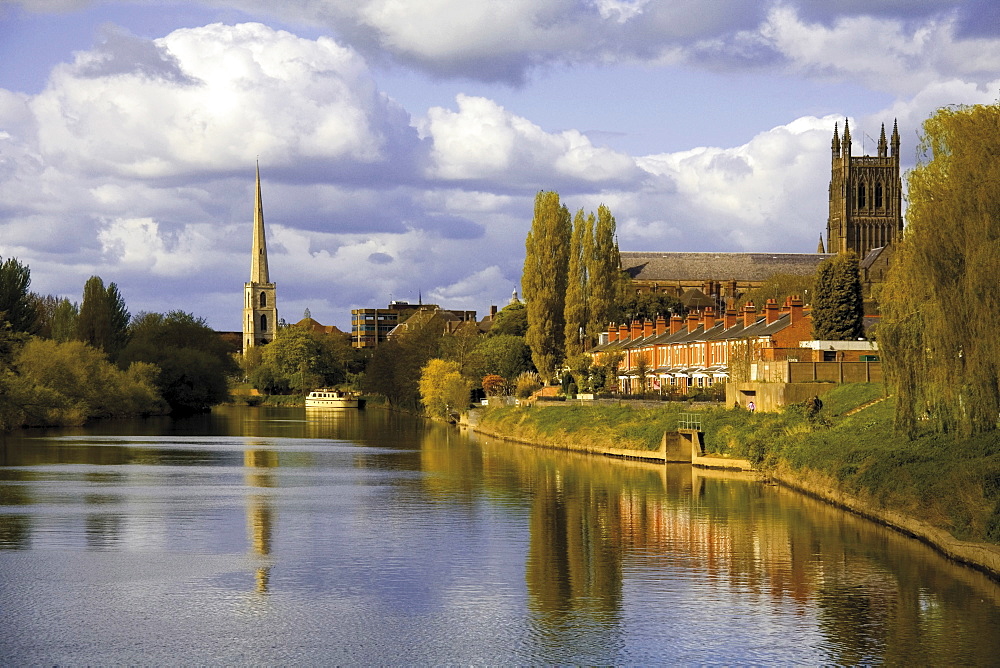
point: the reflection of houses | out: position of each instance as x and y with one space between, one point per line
372 326
680 356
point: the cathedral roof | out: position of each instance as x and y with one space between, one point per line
645 266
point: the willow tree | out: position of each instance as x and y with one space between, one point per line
838 312
941 297
577 283
543 281
604 270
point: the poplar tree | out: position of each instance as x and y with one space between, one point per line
17 305
103 319
577 284
838 312
543 281
941 296
604 271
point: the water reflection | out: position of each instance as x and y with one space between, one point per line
259 465
372 530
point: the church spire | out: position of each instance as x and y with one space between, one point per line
258 262
819 248
882 146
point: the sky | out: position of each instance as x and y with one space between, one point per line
401 144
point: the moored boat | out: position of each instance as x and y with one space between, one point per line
327 398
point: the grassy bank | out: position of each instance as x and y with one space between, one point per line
849 446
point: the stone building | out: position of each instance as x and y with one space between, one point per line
260 309
865 196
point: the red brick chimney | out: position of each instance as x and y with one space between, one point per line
661 325
749 314
708 318
636 329
771 312
795 309
623 332
676 322
612 332
692 321
730 318
647 327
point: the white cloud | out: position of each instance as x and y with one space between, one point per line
238 92
483 141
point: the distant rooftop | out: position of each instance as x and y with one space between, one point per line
644 266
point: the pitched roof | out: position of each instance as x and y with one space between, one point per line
645 266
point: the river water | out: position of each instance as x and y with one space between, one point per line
275 536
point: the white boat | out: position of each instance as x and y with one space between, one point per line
327 398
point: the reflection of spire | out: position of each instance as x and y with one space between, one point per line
260 514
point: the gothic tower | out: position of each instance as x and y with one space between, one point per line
865 196
260 311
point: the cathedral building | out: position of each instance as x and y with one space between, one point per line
260 309
865 196
865 216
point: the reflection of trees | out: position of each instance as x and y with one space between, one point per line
260 512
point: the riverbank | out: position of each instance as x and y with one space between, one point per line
938 489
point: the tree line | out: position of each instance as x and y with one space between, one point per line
63 362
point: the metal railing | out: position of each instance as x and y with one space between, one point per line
689 421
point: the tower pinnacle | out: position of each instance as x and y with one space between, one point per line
835 144
882 147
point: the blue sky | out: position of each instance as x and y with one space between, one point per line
401 144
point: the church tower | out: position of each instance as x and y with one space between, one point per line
260 311
865 196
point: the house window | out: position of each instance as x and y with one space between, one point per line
829 355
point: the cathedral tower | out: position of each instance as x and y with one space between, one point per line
865 196
260 311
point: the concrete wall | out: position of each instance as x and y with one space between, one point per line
772 396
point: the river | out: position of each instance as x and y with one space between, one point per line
271 536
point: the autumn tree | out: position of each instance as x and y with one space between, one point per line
577 283
103 320
544 281
443 389
938 330
838 312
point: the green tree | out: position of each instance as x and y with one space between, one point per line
838 312
56 318
577 284
301 360
511 319
649 306
17 305
941 351
504 355
103 320
194 361
779 287
443 389
605 284
544 281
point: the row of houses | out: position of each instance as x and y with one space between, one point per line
684 355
